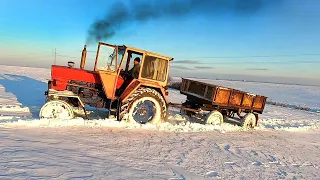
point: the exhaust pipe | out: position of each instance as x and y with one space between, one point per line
83 57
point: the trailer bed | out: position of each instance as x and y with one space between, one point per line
222 97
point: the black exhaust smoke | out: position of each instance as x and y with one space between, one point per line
123 13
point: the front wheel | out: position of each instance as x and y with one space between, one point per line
145 105
56 109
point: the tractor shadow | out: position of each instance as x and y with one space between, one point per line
28 91
92 113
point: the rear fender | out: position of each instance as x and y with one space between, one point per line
132 87
135 84
160 89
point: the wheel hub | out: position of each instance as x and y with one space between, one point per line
144 112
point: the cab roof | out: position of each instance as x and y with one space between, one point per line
139 50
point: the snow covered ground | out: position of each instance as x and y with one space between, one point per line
283 146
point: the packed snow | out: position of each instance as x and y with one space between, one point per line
285 143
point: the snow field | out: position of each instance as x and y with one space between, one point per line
285 145
117 153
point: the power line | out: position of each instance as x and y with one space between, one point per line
195 60
29 55
88 51
39 57
185 62
255 56
72 57
67 56
248 56
201 57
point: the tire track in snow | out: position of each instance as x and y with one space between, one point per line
291 106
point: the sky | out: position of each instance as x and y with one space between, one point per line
277 41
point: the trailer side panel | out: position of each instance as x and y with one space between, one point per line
222 97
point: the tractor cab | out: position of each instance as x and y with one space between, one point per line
113 64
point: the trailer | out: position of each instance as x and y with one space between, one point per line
221 103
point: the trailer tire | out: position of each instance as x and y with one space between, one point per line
248 121
139 101
214 117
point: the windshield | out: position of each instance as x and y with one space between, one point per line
107 58
112 60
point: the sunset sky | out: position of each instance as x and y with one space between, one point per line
280 39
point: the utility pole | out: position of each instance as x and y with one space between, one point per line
55 55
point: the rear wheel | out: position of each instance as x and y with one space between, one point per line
248 121
145 105
56 109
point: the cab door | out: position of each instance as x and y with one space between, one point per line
106 66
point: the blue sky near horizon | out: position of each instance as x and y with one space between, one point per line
281 40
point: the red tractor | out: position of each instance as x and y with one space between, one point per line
109 85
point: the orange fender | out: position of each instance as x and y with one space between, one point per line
135 84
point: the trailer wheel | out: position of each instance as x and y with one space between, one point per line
214 117
56 109
248 121
145 105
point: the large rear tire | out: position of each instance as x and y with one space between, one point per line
145 105
56 109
